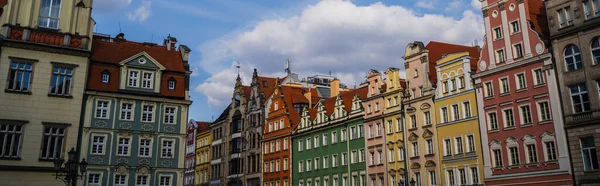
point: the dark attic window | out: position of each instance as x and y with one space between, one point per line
265 84
105 76
171 83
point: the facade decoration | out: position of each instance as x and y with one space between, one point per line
202 148
374 126
394 127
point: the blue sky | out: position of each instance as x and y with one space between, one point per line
345 37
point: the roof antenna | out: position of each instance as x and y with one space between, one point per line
152 38
238 68
120 27
330 72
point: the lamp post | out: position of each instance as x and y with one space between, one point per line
72 169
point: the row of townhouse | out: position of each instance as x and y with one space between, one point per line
120 105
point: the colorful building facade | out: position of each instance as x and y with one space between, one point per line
202 166
521 123
461 160
374 126
189 173
43 69
394 127
136 111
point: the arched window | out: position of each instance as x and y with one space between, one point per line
573 58
596 50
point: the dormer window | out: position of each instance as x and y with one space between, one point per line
265 84
49 12
171 84
147 81
133 78
105 76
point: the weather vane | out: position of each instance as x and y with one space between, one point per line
238 68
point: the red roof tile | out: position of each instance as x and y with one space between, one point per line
115 52
268 90
438 49
293 95
247 91
202 126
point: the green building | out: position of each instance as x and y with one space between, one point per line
328 146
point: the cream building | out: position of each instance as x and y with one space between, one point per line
43 67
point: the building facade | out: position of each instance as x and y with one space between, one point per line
202 166
189 172
218 148
457 125
521 123
136 110
394 127
43 68
374 126
575 40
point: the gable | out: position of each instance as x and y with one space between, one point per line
143 60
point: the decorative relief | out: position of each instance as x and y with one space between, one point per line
482 65
495 14
122 160
101 123
144 161
124 133
166 163
146 135
96 160
577 12
485 13
501 6
415 165
429 163
125 125
511 7
147 127
552 21
169 129
519 1
122 169
425 106
143 170
539 48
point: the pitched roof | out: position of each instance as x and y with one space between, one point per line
269 88
438 49
223 115
346 97
116 51
293 95
202 126
247 90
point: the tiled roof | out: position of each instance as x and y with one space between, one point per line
223 115
202 126
438 49
293 95
247 91
268 90
117 51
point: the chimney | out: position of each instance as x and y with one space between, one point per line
334 87
120 37
185 52
170 42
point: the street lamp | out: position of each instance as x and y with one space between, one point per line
69 173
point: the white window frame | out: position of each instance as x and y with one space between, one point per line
167 149
99 145
489 89
143 146
160 180
490 122
133 81
125 180
522 114
170 116
518 81
144 115
102 109
127 111
123 147
500 58
502 85
149 81
536 79
512 26
504 117
99 179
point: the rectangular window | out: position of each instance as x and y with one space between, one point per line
391 155
380 157
539 76
362 155
94 179
509 118
285 143
493 121
429 146
399 124
49 14
431 177
451 177
171 85
325 138
413 120
52 145
459 145
371 131
98 145
169 115
514 155
344 135
167 149
20 77
285 164
277 165
521 84
497 158
307 144
333 137
316 142
445 87
147 81
489 89
334 161
62 81
444 114
123 148
344 158
475 175
120 180
518 50
589 154
126 111
390 126
455 113
102 109
544 111
401 154
353 133
361 131
550 151
515 26
427 118
325 162
447 147
526 114
11 137
133 78
372 158
379 131
142 181
354 157
463 176
532 154
591 8
579 98
165 181
504 87
415 146
470 143
145 148
148 113
564 17
277 146
497 33
467 109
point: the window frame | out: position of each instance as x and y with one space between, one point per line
145 113
49 17
173 115
63 137
65 75
576 51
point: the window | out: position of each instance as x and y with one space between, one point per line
165 181
390 126
399 124
270 127
372 158
475 175
376 107
413 120
170 115
532 154
596 47
147 114
147 81
518 50
391 155
49 12
525 114
343 134
277 146
344 158
300 166
455 113
504 85
589 154
444 114
142 181
590 8
379 131
145 147
489 89
427 118
10 140
123 148
52 145
325 162
493 121
418 179
277 165
120 180
325 138
447 147
429 146
521 84
361 131
453 84
98 145
451 177
62 81
497 158
579 98
445 87
500 56
514 26
514 155
573 58
470 143
94 179
461 82
315 142
369 109
126 111
281 124
550 151
459 145
334 137
353 133
463 176
20 76
354 157
415 146
285 164
334 161
133 78
362 155
564 16
380 157
172 84
539 76
276 106
509 119
167 149
497 33
102 109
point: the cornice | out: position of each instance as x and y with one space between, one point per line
513 65
45 48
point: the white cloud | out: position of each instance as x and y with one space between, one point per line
425 4
455 5
332 35
107 6
476 4
141 13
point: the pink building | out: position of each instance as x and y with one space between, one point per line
375 139
519 108
190 154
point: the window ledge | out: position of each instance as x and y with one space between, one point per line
11 158
447 157
412 129
534 164
591 171
545 122
460 155
45 160
517 32
60 96
505 94
516 166
17 92
429 155
497 168
414 157
509 128
471 153
525 125
426 126
551 162
488 97
539 85
521 89
493 131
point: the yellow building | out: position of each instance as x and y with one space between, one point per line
457 124
203 140
43 68
394 126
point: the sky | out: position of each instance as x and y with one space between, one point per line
346 38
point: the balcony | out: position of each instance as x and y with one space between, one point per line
47 37
582 117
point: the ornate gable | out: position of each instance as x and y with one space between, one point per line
429 163
142 59
413 136
415 165
427 133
